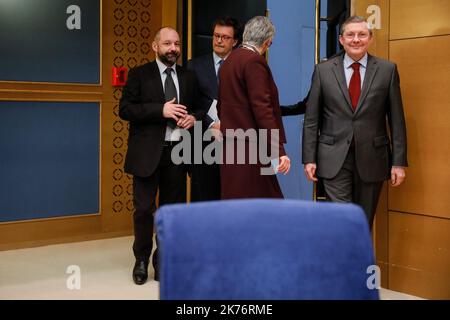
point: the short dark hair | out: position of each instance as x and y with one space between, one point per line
228 22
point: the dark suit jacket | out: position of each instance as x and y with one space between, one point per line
205 178
330 123
142 105
203 67
294 109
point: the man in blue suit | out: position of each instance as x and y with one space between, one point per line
205 178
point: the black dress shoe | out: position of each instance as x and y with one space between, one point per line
140 273
156 264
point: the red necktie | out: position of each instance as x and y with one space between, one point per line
355 85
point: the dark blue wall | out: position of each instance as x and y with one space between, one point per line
49 159
36 45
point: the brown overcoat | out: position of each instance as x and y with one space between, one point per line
248 99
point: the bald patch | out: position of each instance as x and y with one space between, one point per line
158 33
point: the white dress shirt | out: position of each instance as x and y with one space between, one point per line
171 134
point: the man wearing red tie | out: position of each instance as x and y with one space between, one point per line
345 134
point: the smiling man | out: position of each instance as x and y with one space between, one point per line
345 136
158 101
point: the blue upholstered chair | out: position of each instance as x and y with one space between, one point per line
264 249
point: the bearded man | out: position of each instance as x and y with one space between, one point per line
158 101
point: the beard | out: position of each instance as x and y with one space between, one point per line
169 58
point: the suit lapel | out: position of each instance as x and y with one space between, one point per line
211 68
338 70
153 80
372 68
181 83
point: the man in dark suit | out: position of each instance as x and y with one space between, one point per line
345 135
205 178
248 102
150 103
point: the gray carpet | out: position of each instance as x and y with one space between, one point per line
101 269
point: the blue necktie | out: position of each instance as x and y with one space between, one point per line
218 69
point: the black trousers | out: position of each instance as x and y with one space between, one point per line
347 186
170 179
205 182
205 178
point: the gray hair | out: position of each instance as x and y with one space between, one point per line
257 30
354 19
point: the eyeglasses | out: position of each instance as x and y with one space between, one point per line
351 36
223 37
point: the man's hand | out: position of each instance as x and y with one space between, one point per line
285 165
173 110
310 171
215 130
186 122
215 125
398 175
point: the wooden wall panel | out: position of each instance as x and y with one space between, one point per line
419 259
419 18
425 81
412 240
419 237
169 13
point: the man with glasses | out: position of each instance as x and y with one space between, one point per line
345 135
205 178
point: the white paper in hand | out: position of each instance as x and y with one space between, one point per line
275 163
212 112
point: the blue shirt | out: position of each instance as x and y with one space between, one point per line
349 70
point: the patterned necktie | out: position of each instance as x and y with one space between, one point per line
354 87
170 92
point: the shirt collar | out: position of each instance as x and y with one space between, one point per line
349 61
162 67
217 58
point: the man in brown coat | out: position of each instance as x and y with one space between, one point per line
251 119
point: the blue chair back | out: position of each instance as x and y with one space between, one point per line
264 249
